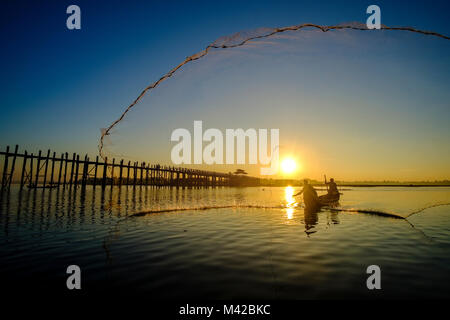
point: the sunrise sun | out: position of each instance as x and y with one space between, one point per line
288 165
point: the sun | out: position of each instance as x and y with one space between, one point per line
288 165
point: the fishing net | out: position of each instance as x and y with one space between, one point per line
336 93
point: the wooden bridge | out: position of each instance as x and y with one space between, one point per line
52 171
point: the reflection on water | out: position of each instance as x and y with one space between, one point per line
311 218
55 206
251 243
291 203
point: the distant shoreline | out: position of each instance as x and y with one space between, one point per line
343 184
394 185
299 183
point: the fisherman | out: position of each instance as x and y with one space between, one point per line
332 187
309 193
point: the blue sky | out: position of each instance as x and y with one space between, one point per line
59 87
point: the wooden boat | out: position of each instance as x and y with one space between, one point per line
312 201
329 199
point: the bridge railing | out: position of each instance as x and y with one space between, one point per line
50 170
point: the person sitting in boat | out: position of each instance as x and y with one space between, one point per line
309 193
332 187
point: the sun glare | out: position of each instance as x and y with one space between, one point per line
288 165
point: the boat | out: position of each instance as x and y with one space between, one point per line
327 200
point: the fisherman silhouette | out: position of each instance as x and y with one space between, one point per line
332 187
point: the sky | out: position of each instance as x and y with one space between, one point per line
367 112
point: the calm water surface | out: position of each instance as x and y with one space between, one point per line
273 250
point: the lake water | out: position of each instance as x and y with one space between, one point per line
226 242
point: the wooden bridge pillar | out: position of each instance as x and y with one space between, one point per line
128 172
120 173
47 159
72 170
94 183
112 172
142 174
61 164
65 170
77 165
38 167
24 166
53 168
85 172
105 171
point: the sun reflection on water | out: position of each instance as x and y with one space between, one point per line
290 202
